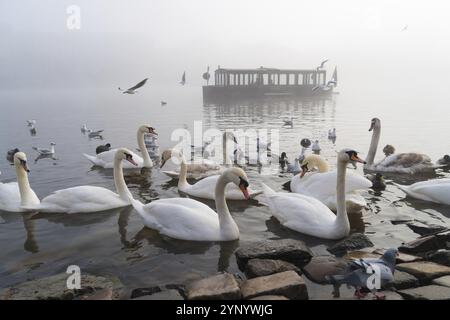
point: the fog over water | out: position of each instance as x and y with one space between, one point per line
392 62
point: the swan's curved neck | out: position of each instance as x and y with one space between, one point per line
26 194
148 163
182 179
226 222
119 181
373 145
341 216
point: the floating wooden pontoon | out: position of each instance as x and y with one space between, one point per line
256 83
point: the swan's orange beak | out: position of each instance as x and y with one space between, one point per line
244 191
357 159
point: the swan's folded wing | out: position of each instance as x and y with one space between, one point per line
106 159
437 192
9 196
182 218
80 200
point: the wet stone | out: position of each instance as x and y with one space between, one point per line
424 229
272 297
290 250
171 294
264 267
424 270
321 266
404 280
288 284
353 242
219 287
55 288
421 245
442 281
431 292
441 257
401 257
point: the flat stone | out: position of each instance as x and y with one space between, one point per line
356 255
219 287
401 257
55 288
264 267
288 284
353 242
421 245
424 229
139 292
272 297
391 295
442 281
441 257
105 294
321 266
171 294
290 250
431 292
424 270
404 280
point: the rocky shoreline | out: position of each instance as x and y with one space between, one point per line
275 270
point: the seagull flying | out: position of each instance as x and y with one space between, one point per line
405 28
133 90
322 64
31 123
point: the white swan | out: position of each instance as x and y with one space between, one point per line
322 184
14 195
310 216
198 170
84 199
397 163
106 159
188 219
435 190
194 170
205 188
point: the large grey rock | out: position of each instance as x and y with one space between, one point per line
442 281
424 229
424 270
426 244
321 266
431 292
441 257
171 294
294 251
288 284
404 280
353 242
55 288
219 287
264 267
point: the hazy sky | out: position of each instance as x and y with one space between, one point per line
123 41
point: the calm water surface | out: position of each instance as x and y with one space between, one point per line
116 243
